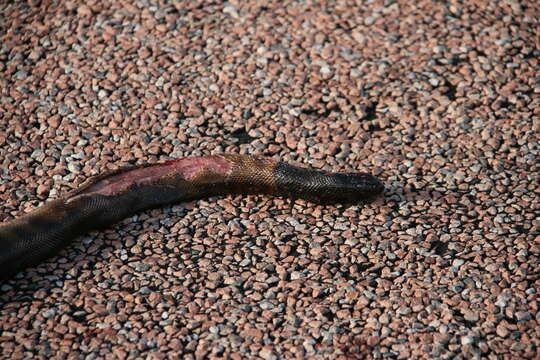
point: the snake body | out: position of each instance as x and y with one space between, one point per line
106 199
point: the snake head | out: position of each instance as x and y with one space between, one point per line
352 187
325 187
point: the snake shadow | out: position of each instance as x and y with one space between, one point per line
406 193
448 200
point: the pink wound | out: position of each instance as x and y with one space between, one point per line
186 168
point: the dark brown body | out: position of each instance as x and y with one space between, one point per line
107 199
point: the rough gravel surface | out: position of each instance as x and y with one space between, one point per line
440 99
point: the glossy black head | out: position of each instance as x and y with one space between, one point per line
353 187
323 187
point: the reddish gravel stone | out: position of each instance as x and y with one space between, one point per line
441 100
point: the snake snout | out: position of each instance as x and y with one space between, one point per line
359 186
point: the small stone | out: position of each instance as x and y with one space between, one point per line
404 310
369 20
49 313
502 331
231 10
457 263
103 93
42 189
325 70
470 315
523 316
21 75
245 262
74 168
84 10
467 340
267 354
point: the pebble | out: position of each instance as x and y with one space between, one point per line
267 354
470 315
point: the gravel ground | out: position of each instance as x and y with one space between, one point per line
440 100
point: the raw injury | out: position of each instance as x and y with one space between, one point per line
186 168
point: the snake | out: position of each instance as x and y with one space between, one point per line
106 199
